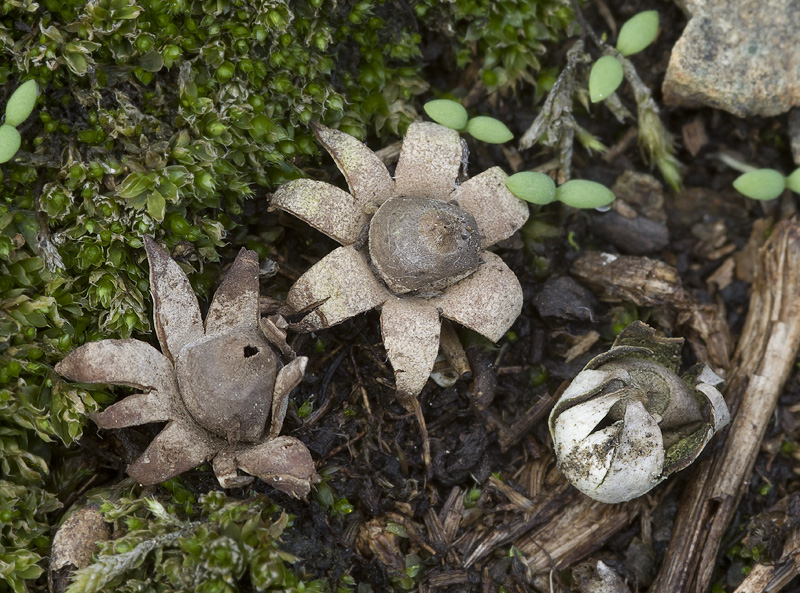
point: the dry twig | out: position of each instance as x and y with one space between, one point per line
761 365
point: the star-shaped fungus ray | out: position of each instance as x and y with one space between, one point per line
507 213
430 161
176 312
488 312
344 285
235 303
131 363
484 296
181 446
367 177
405 322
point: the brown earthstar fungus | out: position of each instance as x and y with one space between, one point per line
217 384
628 420
413 246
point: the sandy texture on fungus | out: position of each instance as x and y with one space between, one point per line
488 301
283 462
430 161
77 538
410 329
327 208
507 212
122 362
366 175
181 446
344 285
177 318
235 303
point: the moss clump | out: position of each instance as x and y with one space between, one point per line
505 36
210 546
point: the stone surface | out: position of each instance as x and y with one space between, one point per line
737 55
563 298
633 236
794 134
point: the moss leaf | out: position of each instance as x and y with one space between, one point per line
761 184
638 32
489 129
580 193
533 187
156 205
605 77
9 142
21 103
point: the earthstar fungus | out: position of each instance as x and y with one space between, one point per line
216 383
413 246
628 421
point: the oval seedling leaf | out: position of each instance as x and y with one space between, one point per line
21 103
580 193
533 187
9 142
605 77
450 114
489 129
638 32
761 184
793 181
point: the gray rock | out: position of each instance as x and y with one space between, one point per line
633 236
741 56
563 298
641 192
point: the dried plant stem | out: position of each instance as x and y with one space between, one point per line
555 123
454 351
761 365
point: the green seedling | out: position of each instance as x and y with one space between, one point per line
538 188
766 184
530 186
638 32
793 181
761 184
19 107
451 114
580 193
605 78
9 142
489 129
533 187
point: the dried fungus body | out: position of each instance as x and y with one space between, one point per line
216 383
628 420
424 257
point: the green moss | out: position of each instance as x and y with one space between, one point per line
212 546
507 37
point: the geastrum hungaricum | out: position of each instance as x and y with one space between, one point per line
216 384
413 246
